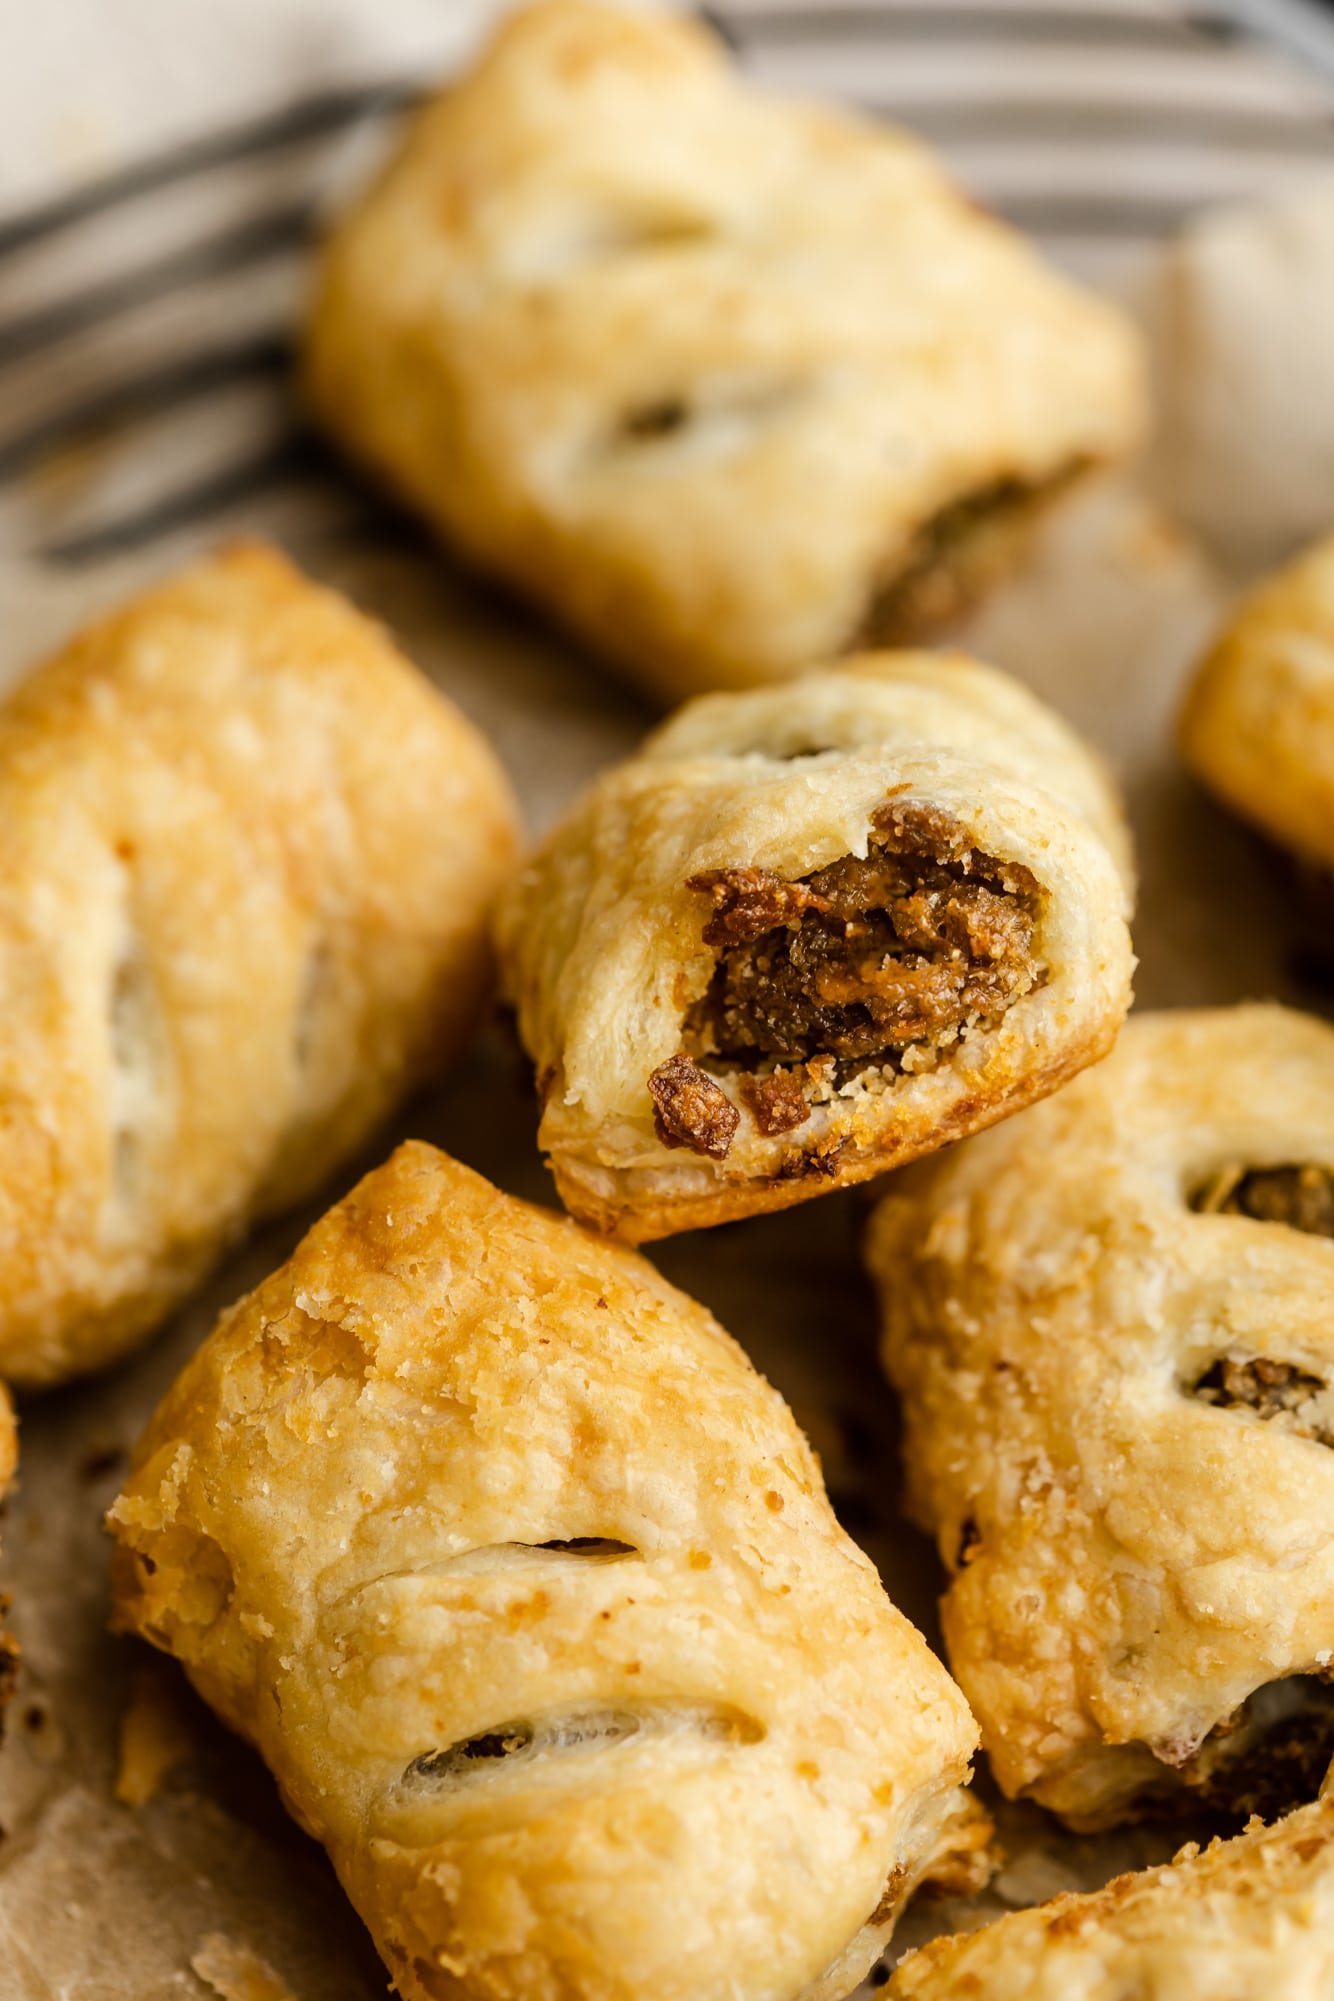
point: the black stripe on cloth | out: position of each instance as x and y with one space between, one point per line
1079 26
1299 131
1134 217
171 385
296 458
231 250
308 118
716 19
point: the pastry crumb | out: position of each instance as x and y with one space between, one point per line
236 1973
153 1737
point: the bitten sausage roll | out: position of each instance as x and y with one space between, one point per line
727 382
247 856
811 932
526 1586
1251 1919
1110 1324
1258 725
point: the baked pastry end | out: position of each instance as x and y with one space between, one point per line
1248 1919
812 933
1257 727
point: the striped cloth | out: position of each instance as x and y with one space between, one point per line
158 195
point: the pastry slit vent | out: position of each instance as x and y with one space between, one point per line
592 1547
561 250
1302 1197
715 418
957 555
865 970
317 992
500 1558
1270 1755
133 1036
1277 1393
527 1742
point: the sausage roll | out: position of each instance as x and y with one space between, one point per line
526 1586
1110 1324
247 856
1258 725
612 319
1251 1919
810 932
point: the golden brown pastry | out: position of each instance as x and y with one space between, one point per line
729 383
1110 1322
526 1586
1251 1919
247 855
1258 725
811 932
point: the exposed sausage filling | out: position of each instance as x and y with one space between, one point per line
876 963
1301 1197
1271 1755
959 554
1274 1391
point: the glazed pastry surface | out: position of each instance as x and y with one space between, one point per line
1109 1323
1250 1919
612 317
526 1587
1258 726
809 933
247 855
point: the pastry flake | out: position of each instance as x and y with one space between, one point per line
1250 1919
247 855
1258 724
813 931
729 383
526 1587
1110 1325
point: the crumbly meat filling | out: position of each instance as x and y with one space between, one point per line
878 962
922 939
1272 1755
690 1109
959 554
1273 1390
1302 1197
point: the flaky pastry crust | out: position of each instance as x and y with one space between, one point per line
526 1587
1258 724
247 856
1250 1919
809 933
727 382
1110 1325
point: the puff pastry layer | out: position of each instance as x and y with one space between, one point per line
1110 1325
611 319
1258 725
810 932
1251 1919
247 856
526 1586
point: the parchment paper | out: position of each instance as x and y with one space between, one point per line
195 1883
